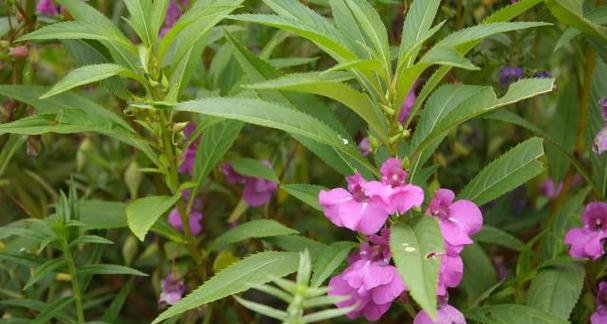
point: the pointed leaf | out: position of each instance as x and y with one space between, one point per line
556 289
142 213
329 261
253 229
307 193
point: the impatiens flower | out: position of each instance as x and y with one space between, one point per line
394 190
409 103
600 142
195 216
364 146
174 12
600 315
450 274
257 191
510 74
549 190
447 314
457 220
172 290
587 241
189 156
47 8
369 280
354 208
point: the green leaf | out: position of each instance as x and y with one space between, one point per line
93 239
570 12
142 213
111 313
415 249
273 115
44 270
66 30
251 271
297 243
52 310
262 309
307 193
99 214
88 74
416 28
482 31
511 314
494 235
373 27
556 289
327 314
141 11
253 229
479 272
108 269
329 261
563 129
506 173
216 141
254 168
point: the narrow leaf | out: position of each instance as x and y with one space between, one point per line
253 229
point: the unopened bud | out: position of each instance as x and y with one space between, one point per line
19 51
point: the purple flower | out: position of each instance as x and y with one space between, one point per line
364 146
457 220
447 314
369 280
549 190
587 241
195 217
394 190
172 290
450 274
189 156
354 208
600 315
47 8
603 103
257 191
408 104
543 75
510 74
174 12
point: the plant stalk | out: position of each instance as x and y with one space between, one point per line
75 284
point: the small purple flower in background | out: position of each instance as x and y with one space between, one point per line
172 290
189 156
446 314
369 280
457 220
510 74
257 191
600 142
543 75
174 12
195 216
600 315
47 8
587 241
549 190
364 146
409 103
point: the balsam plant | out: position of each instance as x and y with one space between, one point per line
184 85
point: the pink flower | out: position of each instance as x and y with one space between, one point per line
364 146
600 315
457 220
174 12
172 290
19 51
257 191
354 208
195 217
450 274
549 190
47 8
587 241
600 142
369 280
447 314
409 103
189 156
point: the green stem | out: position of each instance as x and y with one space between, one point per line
75 284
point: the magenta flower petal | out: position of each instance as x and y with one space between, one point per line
447 314
387 293
331 201
467 214
451 273
195 217
577 238
374 218
258 191
172 290
372 312
47 8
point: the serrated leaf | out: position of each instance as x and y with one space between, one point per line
511 314
66 30
251 271
108 269
506 173
307 193
482 31
412 249
416 28
373 27
254 168
142 213
571 13
556 289
329 261
141 11
87 74
253 229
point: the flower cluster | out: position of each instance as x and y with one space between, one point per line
600 142
366 205
600 314
587 241
257 191
369 280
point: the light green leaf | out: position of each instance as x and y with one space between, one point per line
511 314
416 28
66 30
108 269
44 270
329 261
142 213
298 243
254 168
570 12
307 193
415 249
253 229
52 310
263 309
141 11
88 74
556 289
251 271
482 31
373 27
506 173
99 214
